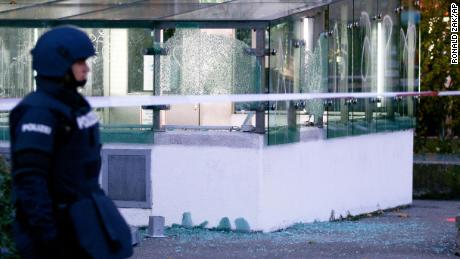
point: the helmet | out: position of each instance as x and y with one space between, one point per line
57 49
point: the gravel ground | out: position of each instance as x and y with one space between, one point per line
423 230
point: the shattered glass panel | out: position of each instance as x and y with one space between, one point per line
16 78
198 63
314 71
16 74
95 83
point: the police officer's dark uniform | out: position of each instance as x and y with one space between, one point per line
61 212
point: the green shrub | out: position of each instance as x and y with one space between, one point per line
436 181
7 249
435 145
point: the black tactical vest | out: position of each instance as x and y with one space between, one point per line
61 123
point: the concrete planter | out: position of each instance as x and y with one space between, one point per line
213 176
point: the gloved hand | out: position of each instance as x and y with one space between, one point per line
49 246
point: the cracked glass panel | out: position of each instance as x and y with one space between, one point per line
117 69
198 63
314 71
16 74
16 78
95 83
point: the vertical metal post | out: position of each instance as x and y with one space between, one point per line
344 110
292 116
156 79
156 226
260 50
369 109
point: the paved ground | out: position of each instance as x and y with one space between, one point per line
423 230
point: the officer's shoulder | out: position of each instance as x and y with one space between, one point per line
42 102
38 99
30 113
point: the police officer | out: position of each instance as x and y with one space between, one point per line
61 212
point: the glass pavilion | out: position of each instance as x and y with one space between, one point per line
210 47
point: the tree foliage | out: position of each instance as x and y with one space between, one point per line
437 116
6 212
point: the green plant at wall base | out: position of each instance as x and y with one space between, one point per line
436 181
6 212
435 145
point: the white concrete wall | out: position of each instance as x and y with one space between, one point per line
276 186
136 217
304 182
272 187
209 182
